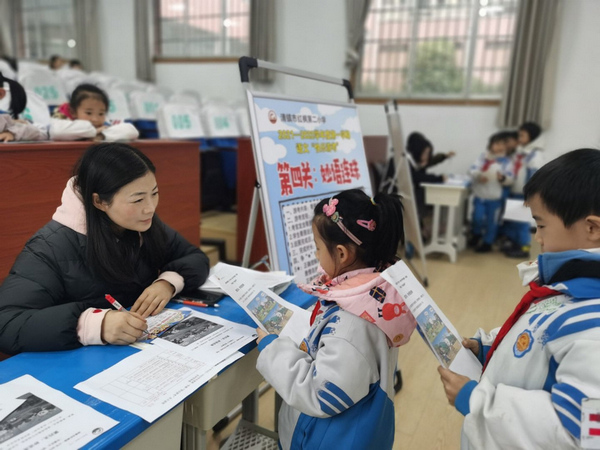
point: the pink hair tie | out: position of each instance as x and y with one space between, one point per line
329 208
368 224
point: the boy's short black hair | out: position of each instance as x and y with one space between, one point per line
496 137
532 129
569 185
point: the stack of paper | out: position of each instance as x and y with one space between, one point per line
182 359
277 281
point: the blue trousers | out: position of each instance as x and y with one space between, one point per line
486 215
518 232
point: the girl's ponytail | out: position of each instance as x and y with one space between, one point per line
389 234
18 97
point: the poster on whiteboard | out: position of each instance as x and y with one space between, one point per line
305 150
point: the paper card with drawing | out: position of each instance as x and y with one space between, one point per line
159 324
34 415
203 335
268 310
438 332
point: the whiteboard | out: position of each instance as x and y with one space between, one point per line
304 150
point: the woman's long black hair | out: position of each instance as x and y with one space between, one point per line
380 246
18 97
104 169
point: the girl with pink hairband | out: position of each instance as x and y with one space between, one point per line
338 385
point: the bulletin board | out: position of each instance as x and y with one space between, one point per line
305 150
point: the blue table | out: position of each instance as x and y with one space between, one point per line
63 370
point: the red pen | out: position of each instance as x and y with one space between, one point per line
190 303
114 302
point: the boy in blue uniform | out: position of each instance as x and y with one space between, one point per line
540 377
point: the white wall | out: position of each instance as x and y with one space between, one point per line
117 37
575 117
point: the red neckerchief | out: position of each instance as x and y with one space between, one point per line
530 297
518 163
315 312
486 164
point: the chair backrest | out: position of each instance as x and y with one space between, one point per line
47 85
164 91
220 120
118 108
179 121
36 110
184 99
144 105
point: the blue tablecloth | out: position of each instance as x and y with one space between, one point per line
63 370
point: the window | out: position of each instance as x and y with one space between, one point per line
203 28
48 28
436 48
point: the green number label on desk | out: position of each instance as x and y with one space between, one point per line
150 107
221 123
181 121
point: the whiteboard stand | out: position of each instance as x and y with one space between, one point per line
403 181
245 65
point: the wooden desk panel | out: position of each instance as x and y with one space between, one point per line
33 177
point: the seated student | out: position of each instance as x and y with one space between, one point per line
75 64
104 238
542 365
56 62
527 159
12 129
84 117
489 174
421 151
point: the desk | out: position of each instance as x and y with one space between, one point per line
34 176
199 413
453 198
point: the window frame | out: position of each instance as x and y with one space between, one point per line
465 97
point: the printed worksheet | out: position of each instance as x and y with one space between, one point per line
164 320
267 309
152 382
35 416
435 328
206 336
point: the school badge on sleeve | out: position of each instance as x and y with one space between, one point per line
590 423
523 344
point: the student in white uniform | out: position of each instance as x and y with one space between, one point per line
84 117
541 375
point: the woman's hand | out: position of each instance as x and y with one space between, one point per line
261 334
6 136
153 299
122 327
471 344
452 382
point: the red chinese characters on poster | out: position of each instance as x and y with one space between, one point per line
338 171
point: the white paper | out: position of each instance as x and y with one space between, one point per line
516 211
152 382
439 333
45 418
208 337
268 310
277 280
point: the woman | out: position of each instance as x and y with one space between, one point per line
105 238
